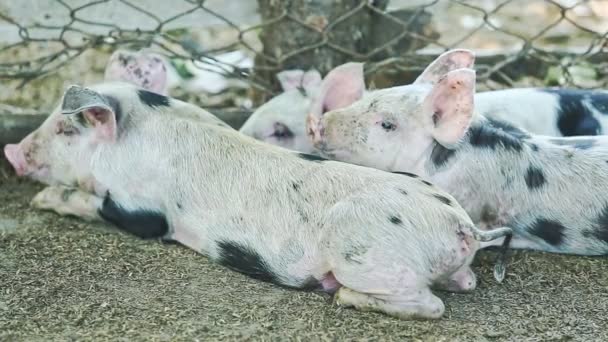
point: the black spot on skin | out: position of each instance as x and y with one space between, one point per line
311 157
488 215
65 195
296 186
509 128
353 253
601 229
403 191
550 231
573 116
535 178
406 174
179 205
244 260
146 224
395 220
495 134
372 105
599 100
426 182
443 199
303 215
440 155
152 99
580 143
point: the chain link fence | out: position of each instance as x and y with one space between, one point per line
47 44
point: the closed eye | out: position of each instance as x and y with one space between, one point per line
281 131
388 126
66 129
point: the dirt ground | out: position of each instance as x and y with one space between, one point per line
63 279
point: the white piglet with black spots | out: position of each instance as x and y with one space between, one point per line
550 191
377 239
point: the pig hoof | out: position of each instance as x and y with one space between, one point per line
499 272
49 197
346 297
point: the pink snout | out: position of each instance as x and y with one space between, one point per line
315 130
15 156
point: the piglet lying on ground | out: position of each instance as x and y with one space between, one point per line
551 191
379 239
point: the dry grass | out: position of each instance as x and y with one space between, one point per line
62 279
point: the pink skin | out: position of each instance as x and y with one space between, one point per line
43 154
143 69
341 86
15 158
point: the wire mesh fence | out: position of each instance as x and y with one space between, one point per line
46 44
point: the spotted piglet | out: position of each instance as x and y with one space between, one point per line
550 191
377 239
545 111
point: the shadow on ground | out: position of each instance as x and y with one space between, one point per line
61 278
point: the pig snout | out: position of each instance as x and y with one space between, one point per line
316 130
16 158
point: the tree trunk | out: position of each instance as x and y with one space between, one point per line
323 34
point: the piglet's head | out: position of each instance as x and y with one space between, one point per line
395 128
59 151
282 120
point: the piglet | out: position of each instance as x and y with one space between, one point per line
281 120
379 240
544 111
550 191
43 155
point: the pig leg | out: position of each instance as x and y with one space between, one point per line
379 283
419 304
69 201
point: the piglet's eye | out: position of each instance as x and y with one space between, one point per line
388 126
281 131
65 129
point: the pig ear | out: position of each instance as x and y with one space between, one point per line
312 80
290 79
451 104
144 69
446 62
96 110
293 79
341 87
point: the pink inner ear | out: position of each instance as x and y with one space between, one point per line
451 104
341 87
103 122
99 115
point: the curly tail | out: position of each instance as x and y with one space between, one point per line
500 267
